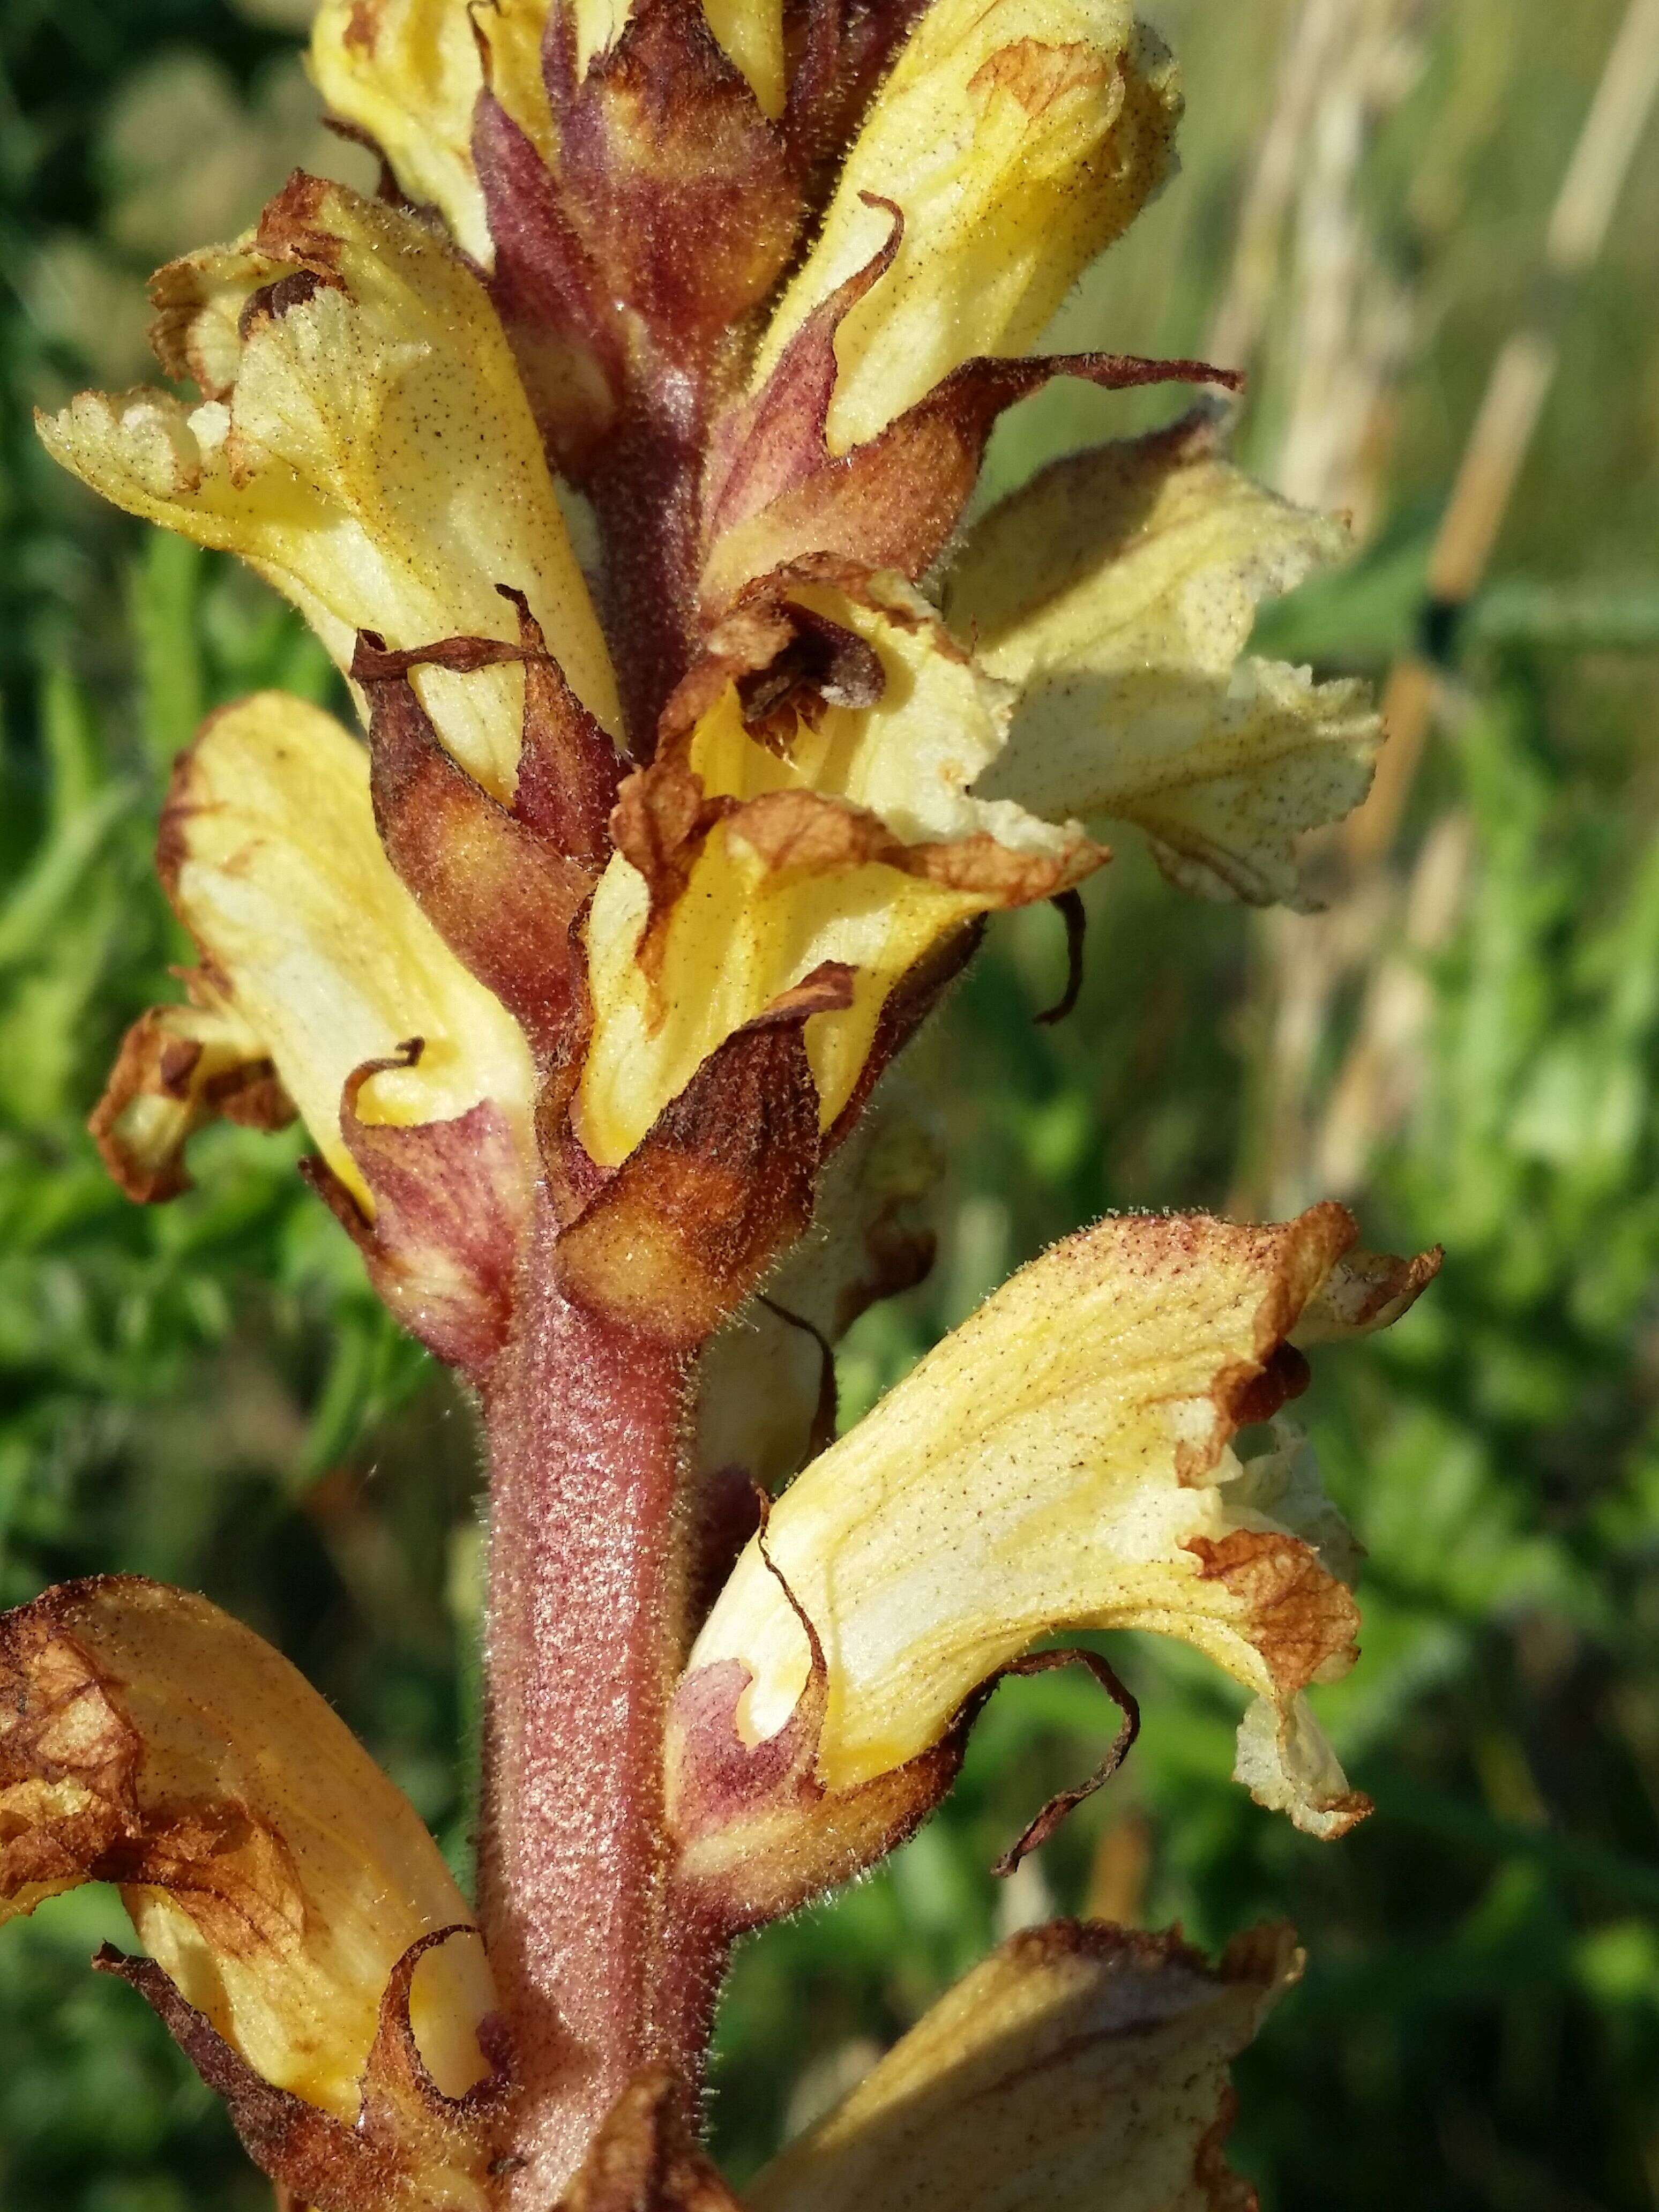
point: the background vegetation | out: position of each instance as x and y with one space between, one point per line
1466 1047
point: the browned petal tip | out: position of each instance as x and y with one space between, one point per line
412 2149
1299 1617
178 1068
1366 1292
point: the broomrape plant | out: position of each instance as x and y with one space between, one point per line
584 973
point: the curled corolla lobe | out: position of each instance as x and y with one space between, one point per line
180 1068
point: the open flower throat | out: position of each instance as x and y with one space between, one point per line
582 973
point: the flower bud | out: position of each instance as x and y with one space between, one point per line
1017 140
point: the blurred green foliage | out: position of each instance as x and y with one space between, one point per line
207 1392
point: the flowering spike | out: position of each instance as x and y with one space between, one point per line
583 975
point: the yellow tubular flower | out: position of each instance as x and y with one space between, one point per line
309 1945
409 73
364 443
1018 139
270 857
1077 2059
324 989
1062 1460
1118 591
850 842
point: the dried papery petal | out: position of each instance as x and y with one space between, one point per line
178 1068
408 73
1118 590
1019 139
269 854
369 449
1079 2064
1365 1292
1062 1460
745 865
412 2147
309 1945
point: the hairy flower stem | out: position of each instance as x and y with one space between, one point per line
587 1631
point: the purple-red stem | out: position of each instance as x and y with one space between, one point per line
587 1626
